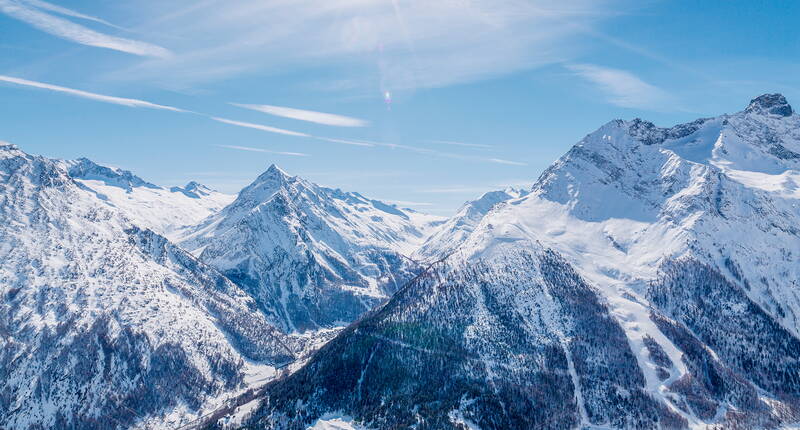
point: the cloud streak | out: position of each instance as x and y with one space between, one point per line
623 88
87 95
365 143
66 12
266 151
136 103
347 141
410 44
507 162
307 115
454 143
33 13
261 127
442 154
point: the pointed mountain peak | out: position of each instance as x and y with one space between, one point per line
266 185
274 170
773 104
196 186
273 176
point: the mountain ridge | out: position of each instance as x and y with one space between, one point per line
646 280
651 221
166 211
312 256
98 315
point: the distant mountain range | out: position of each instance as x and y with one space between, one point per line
648 279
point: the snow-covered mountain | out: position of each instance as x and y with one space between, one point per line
631 196
105 324
648 280
449 236
499 345
311 256
162 210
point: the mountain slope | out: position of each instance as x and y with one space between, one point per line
455 230
522 343
107 325
311 256
668 256
712 203
162 210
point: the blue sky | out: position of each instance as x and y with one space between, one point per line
429 102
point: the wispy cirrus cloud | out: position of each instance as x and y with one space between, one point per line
307 115
623 88
35 13
266 151
508 162
347 141
464 144
130 102
87 95
445 154
410 43
261 127
366 143
43 5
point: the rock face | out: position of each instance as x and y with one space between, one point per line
311 256
773 104
104 324
648 280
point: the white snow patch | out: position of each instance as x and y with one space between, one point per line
336 421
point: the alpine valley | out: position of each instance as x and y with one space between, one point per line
650 279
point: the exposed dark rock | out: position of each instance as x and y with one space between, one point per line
774 104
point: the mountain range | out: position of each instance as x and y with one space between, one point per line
648 279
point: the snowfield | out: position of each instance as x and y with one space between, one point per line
162 210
